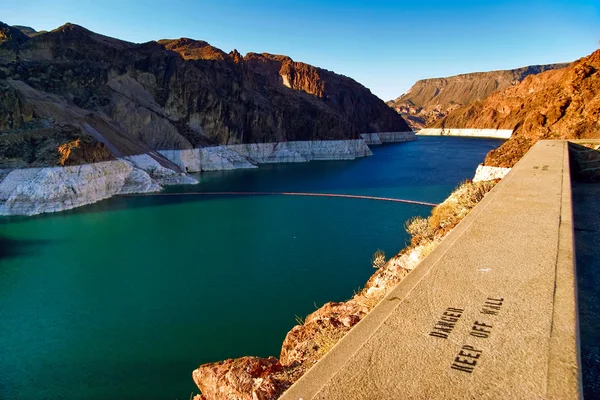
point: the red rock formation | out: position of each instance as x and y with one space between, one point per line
428 100
246 378
558 104
191 49
337 91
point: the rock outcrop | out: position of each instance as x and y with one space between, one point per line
37 190
72 97
487 173
431 99
557 104
31 191
170 95
338 92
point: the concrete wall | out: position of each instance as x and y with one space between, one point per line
491 313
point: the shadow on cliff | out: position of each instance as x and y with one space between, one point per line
12 248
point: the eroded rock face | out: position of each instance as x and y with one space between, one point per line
558 104
338 92
428 100
246 378
33 191
173 94
305 344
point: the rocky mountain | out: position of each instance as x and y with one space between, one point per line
557 104
431 99
117 98
336 91
28 30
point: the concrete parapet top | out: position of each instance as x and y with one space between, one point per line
491 313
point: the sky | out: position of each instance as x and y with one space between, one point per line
386 45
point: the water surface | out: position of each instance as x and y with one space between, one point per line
123 299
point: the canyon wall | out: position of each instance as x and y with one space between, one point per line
266 153
557 104
119 98
151 111
388 137
431 99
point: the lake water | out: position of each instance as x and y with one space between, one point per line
123 299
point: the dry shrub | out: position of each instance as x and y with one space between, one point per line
443 216
448 214
369 301
378 259
474 192
418 229
464 198
325 338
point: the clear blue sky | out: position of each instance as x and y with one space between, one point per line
384 44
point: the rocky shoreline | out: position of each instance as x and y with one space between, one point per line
479 133
387 137
487 173
250 378
31 191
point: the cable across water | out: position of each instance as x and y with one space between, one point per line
349 196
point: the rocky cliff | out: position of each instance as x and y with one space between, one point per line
336 91
122 98
71 97
557 104
431 99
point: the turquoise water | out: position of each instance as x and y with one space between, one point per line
124 298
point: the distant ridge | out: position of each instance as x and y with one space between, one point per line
431 99
557 104
28 30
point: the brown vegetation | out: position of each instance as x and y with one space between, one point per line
64 150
